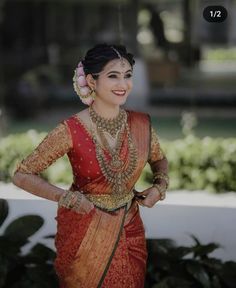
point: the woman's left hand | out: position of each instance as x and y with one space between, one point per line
148 197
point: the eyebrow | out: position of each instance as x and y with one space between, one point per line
116 72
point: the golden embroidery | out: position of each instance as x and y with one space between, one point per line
155 150
110 202
158 163
54 145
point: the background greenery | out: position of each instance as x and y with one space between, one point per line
195 163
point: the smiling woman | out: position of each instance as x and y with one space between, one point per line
113 85
100 236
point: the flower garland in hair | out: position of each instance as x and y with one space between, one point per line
81 87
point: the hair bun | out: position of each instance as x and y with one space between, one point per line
97 57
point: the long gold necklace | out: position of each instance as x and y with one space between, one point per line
114 169
115 162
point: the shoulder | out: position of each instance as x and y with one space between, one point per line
81 114
136 115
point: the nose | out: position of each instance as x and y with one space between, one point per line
122 84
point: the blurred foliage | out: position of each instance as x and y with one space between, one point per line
195 164
172 266
15 147
34 269
200 164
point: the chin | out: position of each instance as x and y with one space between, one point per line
122 101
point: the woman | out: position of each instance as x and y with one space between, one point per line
100 238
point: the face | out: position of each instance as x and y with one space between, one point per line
114 83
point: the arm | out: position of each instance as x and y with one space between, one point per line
159 167
54 145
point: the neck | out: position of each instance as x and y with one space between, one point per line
105 110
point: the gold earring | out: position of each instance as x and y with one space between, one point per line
92 94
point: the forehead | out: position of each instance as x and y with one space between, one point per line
117 65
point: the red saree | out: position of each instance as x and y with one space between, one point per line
102 249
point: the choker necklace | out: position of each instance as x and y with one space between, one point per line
109 125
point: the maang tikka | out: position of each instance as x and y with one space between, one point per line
119 55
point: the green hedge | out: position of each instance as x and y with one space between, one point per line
15 147
200 164
205 164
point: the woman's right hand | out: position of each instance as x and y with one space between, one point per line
75 201
85 205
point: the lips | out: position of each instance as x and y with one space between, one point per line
119 92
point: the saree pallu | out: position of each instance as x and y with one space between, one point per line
100 248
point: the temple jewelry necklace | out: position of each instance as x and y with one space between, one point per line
116 171
115 162
109 125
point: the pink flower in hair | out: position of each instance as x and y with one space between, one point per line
81 85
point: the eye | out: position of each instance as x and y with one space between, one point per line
129 75
112 76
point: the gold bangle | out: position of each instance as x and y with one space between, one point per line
67 199
161 190
161 176
62 199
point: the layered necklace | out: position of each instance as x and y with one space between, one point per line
115 170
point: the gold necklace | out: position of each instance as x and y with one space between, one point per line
116 171
110 125
115 162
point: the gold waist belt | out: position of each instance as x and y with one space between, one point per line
110 202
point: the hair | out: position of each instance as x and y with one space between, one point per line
97 57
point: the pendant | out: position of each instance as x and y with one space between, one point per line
116 162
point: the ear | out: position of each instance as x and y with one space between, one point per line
91 81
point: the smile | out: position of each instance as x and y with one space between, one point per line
119 92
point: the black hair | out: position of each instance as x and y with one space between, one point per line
97 57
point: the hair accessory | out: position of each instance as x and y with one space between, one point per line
81 87
118 54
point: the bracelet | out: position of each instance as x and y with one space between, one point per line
161 190
161 176
70 199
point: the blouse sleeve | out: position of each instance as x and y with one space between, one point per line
57 143
158 160
155 152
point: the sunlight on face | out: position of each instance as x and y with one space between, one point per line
114 82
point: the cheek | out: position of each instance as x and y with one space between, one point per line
130 84
104 85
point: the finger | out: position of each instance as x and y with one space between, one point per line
90 207
87 206
140 202
150 200
143 193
